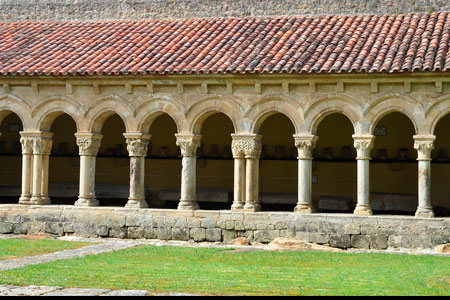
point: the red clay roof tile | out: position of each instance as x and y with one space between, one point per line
304 44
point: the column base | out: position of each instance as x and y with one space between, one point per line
252 207
25 200
237 206
86 202
425 212
135 203
363 210
39 200
188 205
304 208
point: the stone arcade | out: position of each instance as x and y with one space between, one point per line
365 76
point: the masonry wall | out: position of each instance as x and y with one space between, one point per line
19 10
341 231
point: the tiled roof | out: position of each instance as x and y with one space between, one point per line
304 44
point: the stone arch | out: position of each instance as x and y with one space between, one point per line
323 107
395 103
266 107
97 113
49 109
439 109
11 104
201 110
147 112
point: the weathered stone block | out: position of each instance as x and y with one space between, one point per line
352 229
54 228
213 234
360 241
228 235
135 232
193 222
198 234
150 233
21 228
318 238
340 241
181 234
229 225
164 233
138 220
249 225
378 241
239 225
208 222
369 229
6 227
118 232
180 222
265 236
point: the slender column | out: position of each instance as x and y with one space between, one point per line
42 144
305 144
252 153
88 144
363 145
137 149
238 148
424 145
27 156
45 167
188 144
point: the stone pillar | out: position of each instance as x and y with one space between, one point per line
42 144
424 145
88 144
27 167
305 144
363 144
137 149
252 154
188 144
238 149
45 168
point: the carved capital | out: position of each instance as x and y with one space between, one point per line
305 144
424 144
27 145
248 146
363 144
137 143
188 144
88 143
42 145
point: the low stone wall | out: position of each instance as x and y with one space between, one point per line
337 230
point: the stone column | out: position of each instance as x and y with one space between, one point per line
88 144
424 145
238 149
363 144
252 151
45 168
42 143
137 149
305 144
188 144
27 167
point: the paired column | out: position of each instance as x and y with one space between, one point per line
305 144
424 145
88 144
246 152
137 149
363 143
27 167
188 144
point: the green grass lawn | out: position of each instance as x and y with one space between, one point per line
13 248
218 272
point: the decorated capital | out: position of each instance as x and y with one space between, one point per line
424 144
137 143
305 144
246 145
363 144
88 143
188 144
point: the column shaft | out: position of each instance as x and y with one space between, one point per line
424 145
27 167
239 184
252 185
363 144
188 144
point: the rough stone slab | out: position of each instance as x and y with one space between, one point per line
126 293
31 290
336 203
393 202
77 292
